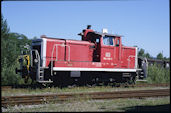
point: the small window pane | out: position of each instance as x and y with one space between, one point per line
97 40
117 42
108 40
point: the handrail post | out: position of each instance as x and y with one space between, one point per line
56 45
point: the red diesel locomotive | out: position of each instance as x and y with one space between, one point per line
98 57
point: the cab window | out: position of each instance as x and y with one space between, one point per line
117 42
107 40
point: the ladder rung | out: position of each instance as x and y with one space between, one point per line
43 68
41 71
45 81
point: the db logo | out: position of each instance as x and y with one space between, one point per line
107 54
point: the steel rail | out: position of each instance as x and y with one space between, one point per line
40 99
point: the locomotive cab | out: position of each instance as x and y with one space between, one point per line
107 47
36 45
96 39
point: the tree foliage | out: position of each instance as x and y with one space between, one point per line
142 53
160 56
11 45
147 55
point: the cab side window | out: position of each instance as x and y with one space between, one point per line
97 40
117 42
107 40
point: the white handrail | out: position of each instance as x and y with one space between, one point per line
129 59
56 45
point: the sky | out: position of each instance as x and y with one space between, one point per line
144 23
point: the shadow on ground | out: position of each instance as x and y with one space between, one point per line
157 108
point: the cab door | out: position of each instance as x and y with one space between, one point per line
117 52
107 51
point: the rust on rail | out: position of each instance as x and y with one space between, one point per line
39 99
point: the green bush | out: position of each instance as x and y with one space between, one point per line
158 74
8 76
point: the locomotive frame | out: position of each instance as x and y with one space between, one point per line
98 57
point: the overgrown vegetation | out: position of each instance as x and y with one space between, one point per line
11 45
158 74
108 105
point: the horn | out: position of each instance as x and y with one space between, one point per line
88 26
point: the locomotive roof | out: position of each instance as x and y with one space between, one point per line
57 38
36 40
107 34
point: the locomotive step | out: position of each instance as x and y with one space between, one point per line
41 68
41 71
141 80
45 81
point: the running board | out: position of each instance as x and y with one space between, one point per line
141 80
46 81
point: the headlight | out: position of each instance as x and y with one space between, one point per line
35 60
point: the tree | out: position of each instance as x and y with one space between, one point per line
4 28
165 58
4 36
160 56
10 49
147 55
35 37
141 53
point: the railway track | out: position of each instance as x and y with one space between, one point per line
40 99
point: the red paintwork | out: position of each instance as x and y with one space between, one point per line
81 53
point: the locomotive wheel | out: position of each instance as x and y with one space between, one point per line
132 80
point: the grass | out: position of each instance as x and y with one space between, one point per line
117 105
